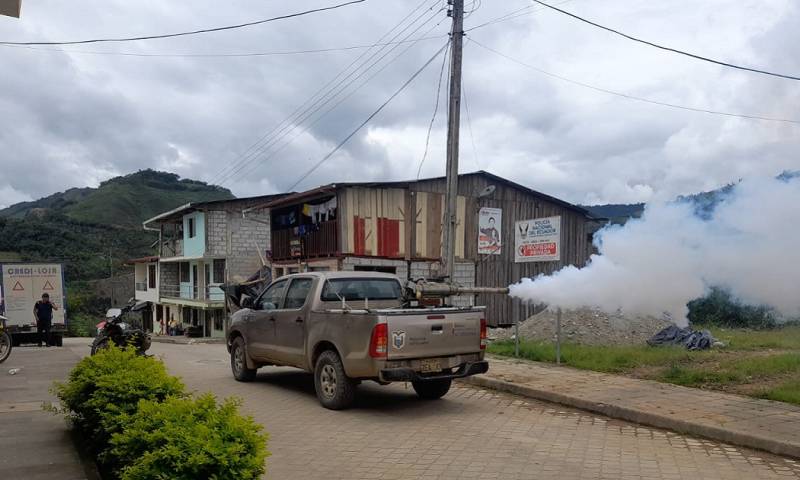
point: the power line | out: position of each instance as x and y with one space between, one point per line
669 49
469 124
520 12
334 92
193 32
435 111
632 97
215 55
343 99
372 115
280 129
273 134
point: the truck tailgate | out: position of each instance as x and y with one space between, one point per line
432 334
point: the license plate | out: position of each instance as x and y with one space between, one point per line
430 365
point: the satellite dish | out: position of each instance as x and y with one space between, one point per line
487 191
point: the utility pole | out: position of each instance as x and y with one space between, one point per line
456 43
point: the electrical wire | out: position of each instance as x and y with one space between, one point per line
669 49
334 92
632 97
469 124
271 135
339 102
512 15
372 115
192 32
216 55
435 111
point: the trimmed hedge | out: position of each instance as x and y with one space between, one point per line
117 399
187 439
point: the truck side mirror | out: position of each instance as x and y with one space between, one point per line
247 302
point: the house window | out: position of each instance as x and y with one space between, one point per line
151 276
219 271
184 267
191 227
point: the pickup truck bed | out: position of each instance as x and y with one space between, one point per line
322 322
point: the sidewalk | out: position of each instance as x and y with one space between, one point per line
739 420
34 444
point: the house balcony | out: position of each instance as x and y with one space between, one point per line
193 295
309 241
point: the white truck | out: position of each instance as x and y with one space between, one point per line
21 286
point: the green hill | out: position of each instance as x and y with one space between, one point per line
94 229
123 201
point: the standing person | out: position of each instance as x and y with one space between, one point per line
43 313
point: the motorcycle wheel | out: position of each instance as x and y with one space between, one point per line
5 346
100 343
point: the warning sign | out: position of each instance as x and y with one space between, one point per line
24 285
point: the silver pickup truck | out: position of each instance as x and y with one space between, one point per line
346 327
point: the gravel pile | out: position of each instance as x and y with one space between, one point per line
586 326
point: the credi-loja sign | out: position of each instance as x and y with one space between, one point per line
10 8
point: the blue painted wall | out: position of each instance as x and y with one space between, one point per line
196 246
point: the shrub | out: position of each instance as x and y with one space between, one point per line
184 438
719 308
102 389
81 325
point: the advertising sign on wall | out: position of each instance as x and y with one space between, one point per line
490 221
538 240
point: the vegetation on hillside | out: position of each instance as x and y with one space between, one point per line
95 230
121 201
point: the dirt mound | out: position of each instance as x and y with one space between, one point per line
586 326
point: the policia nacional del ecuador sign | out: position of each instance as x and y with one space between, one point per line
538 240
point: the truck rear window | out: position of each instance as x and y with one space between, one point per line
360 288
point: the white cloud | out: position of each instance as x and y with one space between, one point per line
77 119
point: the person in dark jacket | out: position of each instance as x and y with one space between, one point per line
43 313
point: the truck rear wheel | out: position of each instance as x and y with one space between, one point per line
5 346
239 362
335 390
432 389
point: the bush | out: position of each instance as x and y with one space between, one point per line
187 439
103 388
141 424
719 308
81 326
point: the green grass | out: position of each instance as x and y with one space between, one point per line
788 392
787 338
610 359
750 358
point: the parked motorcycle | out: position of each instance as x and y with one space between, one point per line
114 329
5 340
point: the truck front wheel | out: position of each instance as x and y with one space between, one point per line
239 362
335 390
432 389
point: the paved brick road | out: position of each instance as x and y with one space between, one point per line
471 433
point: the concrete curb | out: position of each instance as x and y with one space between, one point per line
185 341
642 417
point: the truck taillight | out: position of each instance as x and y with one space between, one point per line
483 333
379 342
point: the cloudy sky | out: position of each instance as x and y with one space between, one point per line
82 114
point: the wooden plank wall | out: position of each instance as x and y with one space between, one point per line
500 270
370 204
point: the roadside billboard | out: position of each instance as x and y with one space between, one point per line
23 285
538 240
490 221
